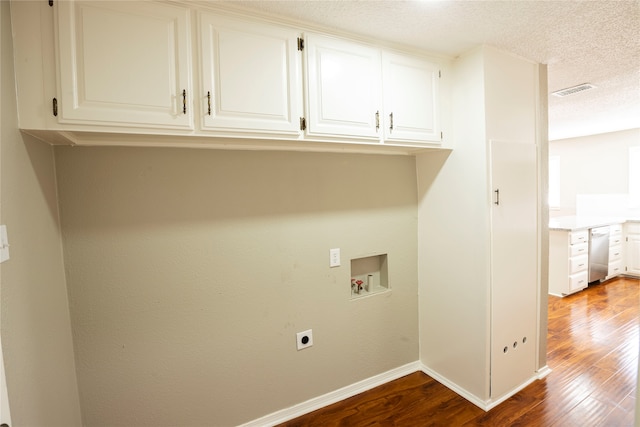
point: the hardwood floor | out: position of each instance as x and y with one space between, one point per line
592 350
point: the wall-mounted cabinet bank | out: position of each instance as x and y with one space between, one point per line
91 72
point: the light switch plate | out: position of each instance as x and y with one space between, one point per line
4 244
334 257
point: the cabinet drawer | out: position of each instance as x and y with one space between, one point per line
578 281
579 249
615 239
581 236
615 253
615 229
615 268
578 263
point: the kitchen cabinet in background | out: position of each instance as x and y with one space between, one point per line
632 250
568 261
616 262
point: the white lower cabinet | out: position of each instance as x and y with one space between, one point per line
616 266
568 261
632 250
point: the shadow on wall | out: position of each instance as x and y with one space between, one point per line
427 175
127 186
40 161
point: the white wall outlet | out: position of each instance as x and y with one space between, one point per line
334 257
304 339
4 244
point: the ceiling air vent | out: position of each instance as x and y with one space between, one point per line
575 89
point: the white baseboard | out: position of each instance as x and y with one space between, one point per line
310 405
455 388
492 403
485 405
543 372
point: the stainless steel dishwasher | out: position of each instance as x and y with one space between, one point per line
598 253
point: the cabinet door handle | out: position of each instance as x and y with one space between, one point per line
377 120
391 121
497 202
184 101
209 103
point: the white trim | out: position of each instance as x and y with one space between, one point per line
489 404
310 405
543 372
634 177
493 403
455 388
332 397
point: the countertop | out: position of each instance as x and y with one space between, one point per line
572 223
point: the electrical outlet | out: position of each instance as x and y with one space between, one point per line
304 339
334 257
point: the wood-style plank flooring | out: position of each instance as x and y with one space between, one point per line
592 351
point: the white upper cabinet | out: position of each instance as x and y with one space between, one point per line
250 76
410 98
343 88
124 64
198 73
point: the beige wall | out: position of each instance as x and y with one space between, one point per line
596 164
35 326
190 272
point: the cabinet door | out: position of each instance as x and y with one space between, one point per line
633 254
410 99
343 88
514 265
250 76
124 63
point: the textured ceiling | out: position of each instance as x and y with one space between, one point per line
594 42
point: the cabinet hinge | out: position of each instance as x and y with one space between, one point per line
300 44
54 106
51 3
303 123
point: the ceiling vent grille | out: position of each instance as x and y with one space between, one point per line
571 90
